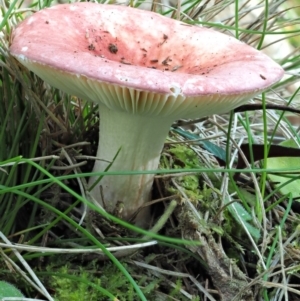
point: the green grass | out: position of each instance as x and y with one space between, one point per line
43 184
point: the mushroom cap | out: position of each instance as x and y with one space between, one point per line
139 61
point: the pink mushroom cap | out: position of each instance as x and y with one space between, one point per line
91 49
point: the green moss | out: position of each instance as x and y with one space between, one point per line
99 284
185 157
73 285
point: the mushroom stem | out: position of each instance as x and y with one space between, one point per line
141 140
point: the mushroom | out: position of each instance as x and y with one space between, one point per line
144 71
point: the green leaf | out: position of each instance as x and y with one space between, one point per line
8 290
242 216
284 183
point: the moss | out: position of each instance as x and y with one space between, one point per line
73 285
100 284
185 157
67 288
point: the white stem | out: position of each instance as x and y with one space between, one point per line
141 140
